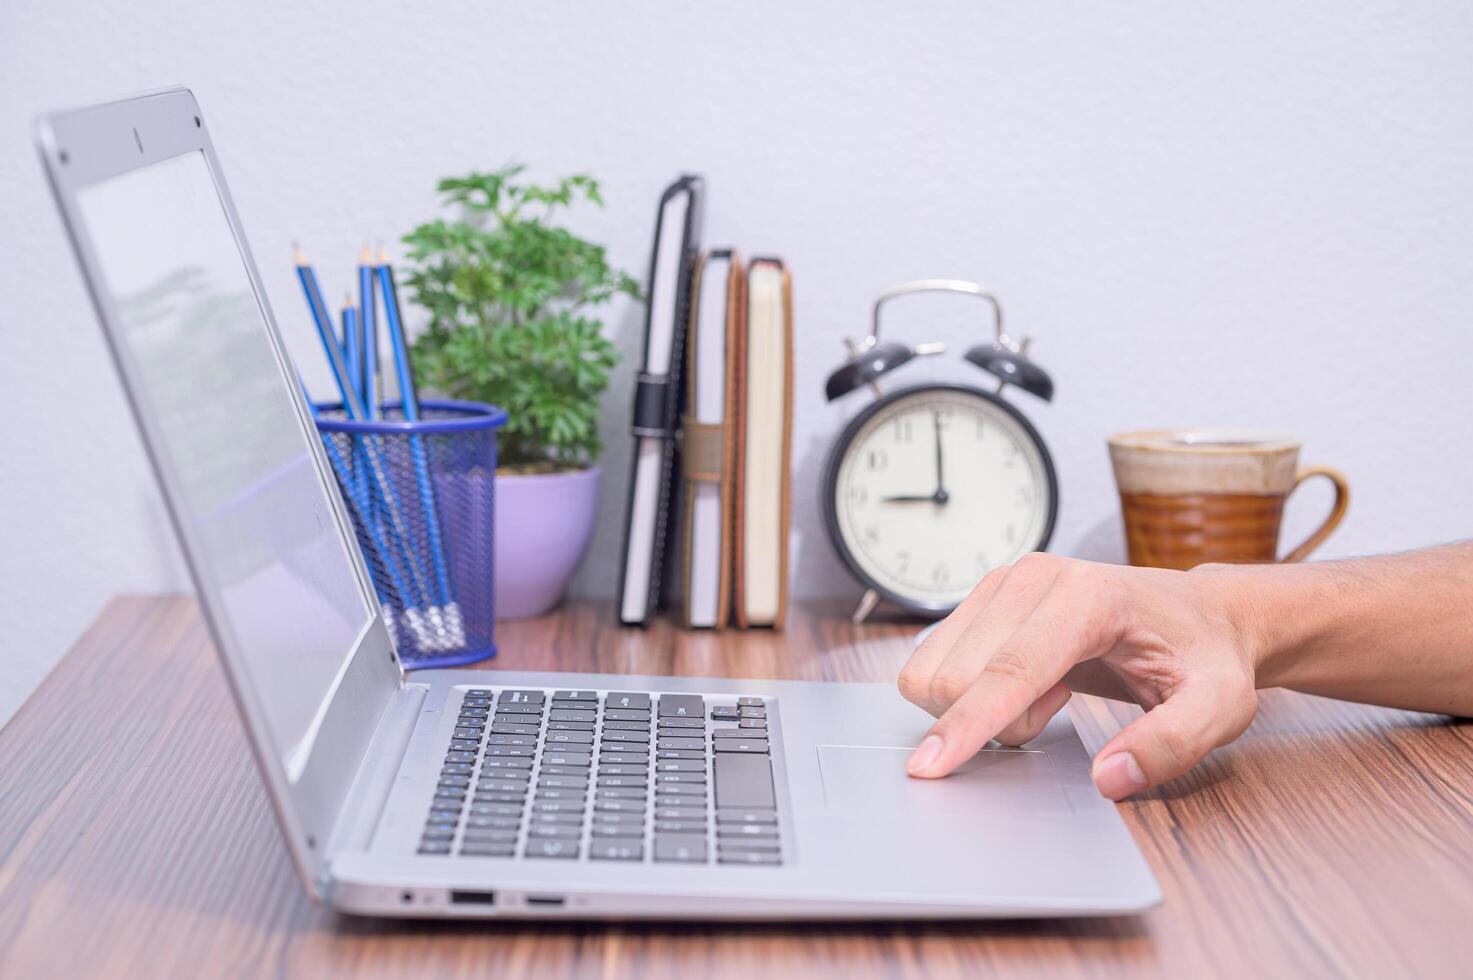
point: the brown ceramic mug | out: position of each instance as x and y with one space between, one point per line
1191 496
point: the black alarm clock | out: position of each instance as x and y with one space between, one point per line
932 486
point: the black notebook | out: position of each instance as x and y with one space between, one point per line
657 399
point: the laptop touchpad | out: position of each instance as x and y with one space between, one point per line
866 781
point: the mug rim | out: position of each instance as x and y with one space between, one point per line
1216 441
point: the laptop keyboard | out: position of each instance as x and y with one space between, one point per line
668 778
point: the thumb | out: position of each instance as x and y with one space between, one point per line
1173 737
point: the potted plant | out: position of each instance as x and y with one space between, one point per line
509 295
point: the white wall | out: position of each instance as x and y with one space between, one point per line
1251 213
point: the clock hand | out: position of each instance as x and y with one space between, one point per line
940 496
910 498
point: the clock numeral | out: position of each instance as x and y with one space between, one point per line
943 417
1010 458
902 558
904 430
877 459
941 575
982 563
1012 534
981 428
872 535
1025 496
857 494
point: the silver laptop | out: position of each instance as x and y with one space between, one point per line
493 793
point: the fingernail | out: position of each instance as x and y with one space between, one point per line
1119 776
925 754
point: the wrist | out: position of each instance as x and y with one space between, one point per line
1251 601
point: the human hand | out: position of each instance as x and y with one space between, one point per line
1007 659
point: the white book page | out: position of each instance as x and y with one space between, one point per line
767 372
709 337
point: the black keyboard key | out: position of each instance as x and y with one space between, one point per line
496 809
522 750
500 797
627 714
573 738
740 745
459 782
571 714
724 712
513 728
681 755
493 823
547 770
616 850
575 819
682 706
552 849
465 744
626 726
750 702
753 712
560 795
618 819
478 692
680 827
554 832
745 830
500 763
500 786
452 793
519 697
571 726
575 696
562 782
624 830
738 815
728 856
434 847
471 702
753 723
605 770
623 736
768 844
441 815
620 782
458 769
434 832
467 732
679 723
494 775
460 757
621 793
622 700
565 757
684 812
679 743
681 789
490 835
680 777
690 848
743 780
619 806
487 849
504 739
557 806
475 711
624 758
737 733
506 711
681 765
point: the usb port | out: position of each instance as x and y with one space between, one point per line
546 901
458 897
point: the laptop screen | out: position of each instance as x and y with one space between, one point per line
230 438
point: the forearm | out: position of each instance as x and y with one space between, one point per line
1394 630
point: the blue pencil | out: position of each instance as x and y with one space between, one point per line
351 340
370 333
405 375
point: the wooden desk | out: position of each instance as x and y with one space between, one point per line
135 839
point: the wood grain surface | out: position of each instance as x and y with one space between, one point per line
135 838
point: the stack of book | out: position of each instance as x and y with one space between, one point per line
709 485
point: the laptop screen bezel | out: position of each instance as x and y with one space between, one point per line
82 147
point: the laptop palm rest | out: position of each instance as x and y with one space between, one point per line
869 783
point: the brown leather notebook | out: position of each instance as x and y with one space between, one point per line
764 435
708 433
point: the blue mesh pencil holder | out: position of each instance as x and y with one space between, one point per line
422 496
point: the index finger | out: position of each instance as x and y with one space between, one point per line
1058 635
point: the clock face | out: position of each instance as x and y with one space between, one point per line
933 487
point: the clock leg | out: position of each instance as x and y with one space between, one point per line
867 603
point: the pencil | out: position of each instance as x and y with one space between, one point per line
369 353
351 356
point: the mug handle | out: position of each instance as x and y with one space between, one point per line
1337 511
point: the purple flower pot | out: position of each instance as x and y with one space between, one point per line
543 525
